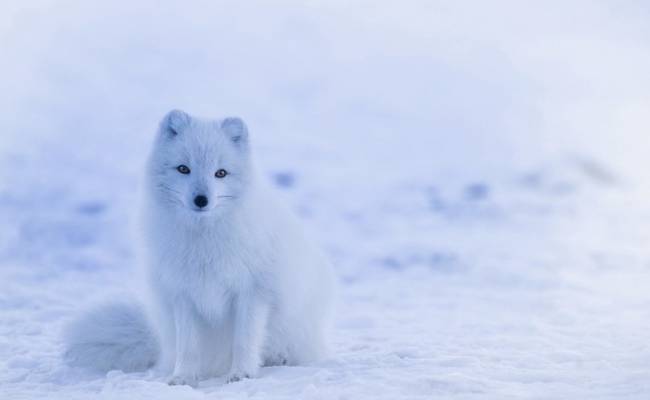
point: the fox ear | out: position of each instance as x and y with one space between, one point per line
236 130
174 122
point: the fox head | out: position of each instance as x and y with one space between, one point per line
199 166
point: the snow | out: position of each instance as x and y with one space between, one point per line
475 170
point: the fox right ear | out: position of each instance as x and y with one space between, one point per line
236 130
174 122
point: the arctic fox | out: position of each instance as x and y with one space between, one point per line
233 283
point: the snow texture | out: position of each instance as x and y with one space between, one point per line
476 171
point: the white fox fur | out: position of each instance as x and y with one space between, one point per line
112 336
234 284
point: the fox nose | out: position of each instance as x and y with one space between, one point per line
201 201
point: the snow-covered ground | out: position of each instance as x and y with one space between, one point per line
476 170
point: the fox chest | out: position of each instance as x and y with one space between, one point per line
210 281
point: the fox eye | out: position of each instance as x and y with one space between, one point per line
183 169
221 173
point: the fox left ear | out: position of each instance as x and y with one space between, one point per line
236 130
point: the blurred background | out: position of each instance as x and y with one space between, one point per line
476 170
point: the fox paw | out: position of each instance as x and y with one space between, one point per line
178 380
236 377
279 359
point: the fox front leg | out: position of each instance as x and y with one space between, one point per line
251 315
189 340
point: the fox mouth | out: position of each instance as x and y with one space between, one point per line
212 206
200 211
